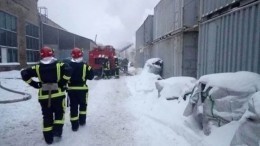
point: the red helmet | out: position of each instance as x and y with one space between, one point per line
46 52
76 53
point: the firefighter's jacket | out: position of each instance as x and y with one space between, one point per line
116 63
107 65
57 73
80 73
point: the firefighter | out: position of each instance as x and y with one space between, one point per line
103 66
53 77
106 68
77 89
125 65
116 67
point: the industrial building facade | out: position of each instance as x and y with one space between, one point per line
19 31
172 35
23 30
229 37
200 37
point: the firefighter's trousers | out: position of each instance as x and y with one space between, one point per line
117 72
53 117
78 107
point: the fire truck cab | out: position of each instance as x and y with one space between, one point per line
97 59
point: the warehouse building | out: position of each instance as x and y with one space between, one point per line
19 32
229 37
23 30
172 35
201 37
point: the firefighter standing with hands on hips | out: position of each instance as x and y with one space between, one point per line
77 88
53 77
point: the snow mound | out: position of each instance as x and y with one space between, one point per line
175 87
154 65
242 81
248 132
219 99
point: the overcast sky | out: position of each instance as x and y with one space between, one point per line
114 21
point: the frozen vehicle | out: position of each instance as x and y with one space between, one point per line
154 65
218 99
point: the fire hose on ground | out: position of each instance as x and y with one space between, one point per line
26 96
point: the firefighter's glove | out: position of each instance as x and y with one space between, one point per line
62 85
36 85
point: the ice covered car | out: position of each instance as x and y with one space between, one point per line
154 65
218 99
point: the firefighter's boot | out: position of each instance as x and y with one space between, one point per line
82 119
48 137
75 125
57 130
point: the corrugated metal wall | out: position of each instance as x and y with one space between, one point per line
209 6
170 51
230 42
190 54
148 29
169 38
144 36
139 45
179 51
190 13
167 17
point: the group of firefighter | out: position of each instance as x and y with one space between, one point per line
106 72
55 78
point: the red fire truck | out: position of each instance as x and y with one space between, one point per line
97 57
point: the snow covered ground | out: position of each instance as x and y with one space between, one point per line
125 111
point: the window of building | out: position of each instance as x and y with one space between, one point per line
32 55
8 22
13 25
12 55
2 20
8 35
2 37
0 55
32 42
32 30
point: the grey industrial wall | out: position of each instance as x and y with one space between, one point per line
148 29
144 36
179 54
167 17
170 51
175 40
172 15
208 7
231 42
63 41
190 54
139 45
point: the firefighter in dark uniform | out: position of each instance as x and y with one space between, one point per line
77 88
103 66
116 67
53 77
107 68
